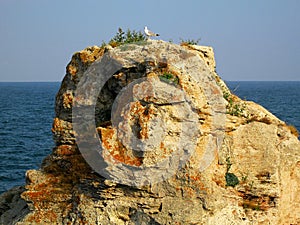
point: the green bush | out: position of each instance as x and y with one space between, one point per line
169 78
231 179
127 37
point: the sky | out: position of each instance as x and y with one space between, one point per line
252 39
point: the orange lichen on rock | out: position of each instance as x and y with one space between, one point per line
114 151
72 69
81 60
165 152
142 115
90 54
44 216
56 126
65 150
67 99
62 131
107 136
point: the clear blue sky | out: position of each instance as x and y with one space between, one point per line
252 39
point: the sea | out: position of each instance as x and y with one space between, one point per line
27 112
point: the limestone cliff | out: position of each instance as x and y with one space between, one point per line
148 133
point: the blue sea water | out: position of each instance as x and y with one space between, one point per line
281 98
27 111
26 115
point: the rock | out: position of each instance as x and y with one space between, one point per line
12 206
176 147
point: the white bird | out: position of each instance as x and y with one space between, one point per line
149 33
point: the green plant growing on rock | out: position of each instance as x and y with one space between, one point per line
226 95
231 179
189 41
128 37
169 78
234 108
244 177
103 44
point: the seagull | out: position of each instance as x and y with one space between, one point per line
149 33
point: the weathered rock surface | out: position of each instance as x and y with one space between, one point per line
177 147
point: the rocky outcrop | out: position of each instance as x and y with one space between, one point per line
147 133
12 206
